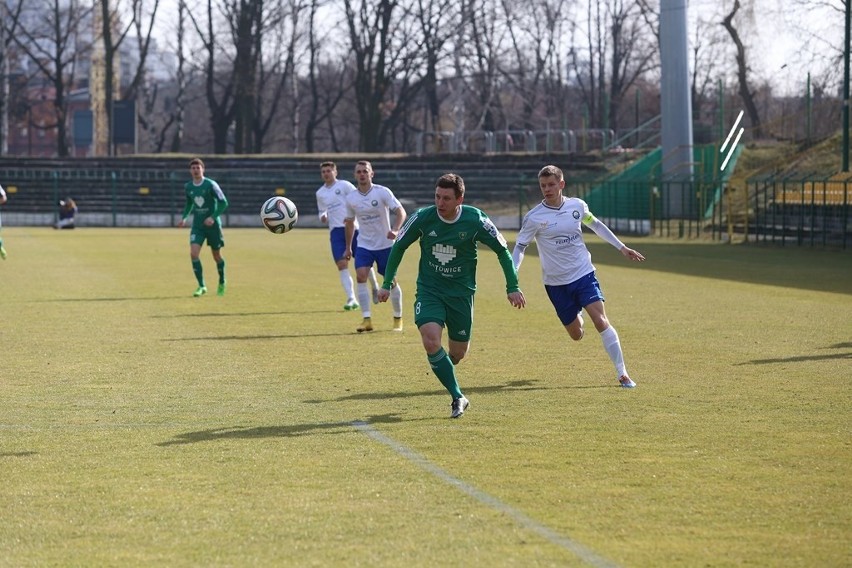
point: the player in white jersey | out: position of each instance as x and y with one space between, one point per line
566 264
371 205
331 207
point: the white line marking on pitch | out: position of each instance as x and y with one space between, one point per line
586 555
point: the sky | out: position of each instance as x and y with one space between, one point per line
774 40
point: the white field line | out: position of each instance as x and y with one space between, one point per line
585 554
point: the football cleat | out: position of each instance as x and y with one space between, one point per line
2 252
220 291
351 305
626 382
397 324
200 291
366 325
458 407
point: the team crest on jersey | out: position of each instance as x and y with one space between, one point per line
337 191
374 203
576 214
199 200
444 253
462 236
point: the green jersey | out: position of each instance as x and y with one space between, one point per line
448 251
205 200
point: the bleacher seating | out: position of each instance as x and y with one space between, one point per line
153 185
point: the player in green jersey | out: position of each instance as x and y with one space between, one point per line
446 282
206 201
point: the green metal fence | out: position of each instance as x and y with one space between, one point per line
795 209
800 209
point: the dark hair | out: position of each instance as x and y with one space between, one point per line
331 165
194 161
451 181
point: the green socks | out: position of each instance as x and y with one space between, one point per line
445 371
220 266
199 273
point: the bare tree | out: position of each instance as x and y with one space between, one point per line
633 55
743 70
246 20
386 58
818 23
618 53
477 63
276 69
326 84
180 88
534 33
8 30
219 84
112 36
52 40
434 18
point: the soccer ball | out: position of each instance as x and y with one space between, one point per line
279 214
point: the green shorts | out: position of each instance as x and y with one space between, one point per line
212 234
454 313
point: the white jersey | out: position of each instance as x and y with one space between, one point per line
372 211
331 201
558 233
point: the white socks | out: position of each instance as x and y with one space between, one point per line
609 337
346 282
365 298
396 300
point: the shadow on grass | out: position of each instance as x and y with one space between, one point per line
801 358
282 336
17 454
232 314
797 359
113 299
792 267
245 433
525 385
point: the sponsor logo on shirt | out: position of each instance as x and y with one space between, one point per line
565 239
444 253
433 234
199 200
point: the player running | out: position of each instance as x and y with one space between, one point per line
446 281
331 207
566 264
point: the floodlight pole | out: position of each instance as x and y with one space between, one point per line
676 113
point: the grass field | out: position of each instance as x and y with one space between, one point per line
141 426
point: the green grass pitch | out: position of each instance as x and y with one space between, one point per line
141 426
